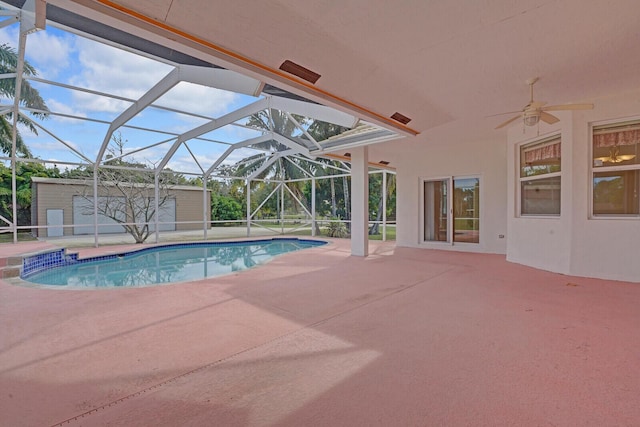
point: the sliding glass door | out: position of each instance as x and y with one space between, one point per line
466 210
451 210
436 207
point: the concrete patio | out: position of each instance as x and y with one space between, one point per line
318 337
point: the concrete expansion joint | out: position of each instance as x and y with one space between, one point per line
372 300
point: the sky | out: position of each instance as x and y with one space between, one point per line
74 60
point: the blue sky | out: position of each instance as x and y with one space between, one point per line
70 59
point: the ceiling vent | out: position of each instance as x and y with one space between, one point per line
400 118
300 71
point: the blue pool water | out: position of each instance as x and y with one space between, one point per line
166 264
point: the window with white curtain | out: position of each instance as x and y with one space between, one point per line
616 169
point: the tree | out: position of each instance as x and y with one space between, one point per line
29 97
332 198
291 168
24 173
375 197
225 208
126 193
282 169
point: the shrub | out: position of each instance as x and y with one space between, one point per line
337 229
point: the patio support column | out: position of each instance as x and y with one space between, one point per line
360 201
313 207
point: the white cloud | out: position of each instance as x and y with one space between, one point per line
116 70
98 104
239 133
48 148
9 35
111 70
59 107
186 164
51 145
49 53
107 69
198 99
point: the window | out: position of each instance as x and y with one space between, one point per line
616 169
464 205
540 177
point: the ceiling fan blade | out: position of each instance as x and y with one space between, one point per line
513 119
548 118
568 107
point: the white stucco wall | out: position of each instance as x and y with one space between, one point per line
420 159
606 248
573 243
542 242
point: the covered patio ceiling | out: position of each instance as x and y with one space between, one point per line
251 126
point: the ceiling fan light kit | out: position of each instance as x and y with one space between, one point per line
535 111
531 119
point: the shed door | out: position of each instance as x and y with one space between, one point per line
55 221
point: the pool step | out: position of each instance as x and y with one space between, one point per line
10 266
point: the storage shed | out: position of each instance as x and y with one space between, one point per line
66 205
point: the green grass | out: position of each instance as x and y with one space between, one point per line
464 224
22 237
391 234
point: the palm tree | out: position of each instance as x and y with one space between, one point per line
29 97
292 168
278 122
391 188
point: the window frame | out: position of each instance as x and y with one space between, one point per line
605 169
520 179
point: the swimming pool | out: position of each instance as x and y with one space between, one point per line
165 264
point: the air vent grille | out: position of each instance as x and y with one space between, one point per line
300 71
400 118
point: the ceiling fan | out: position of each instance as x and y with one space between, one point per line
614 157
535 111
